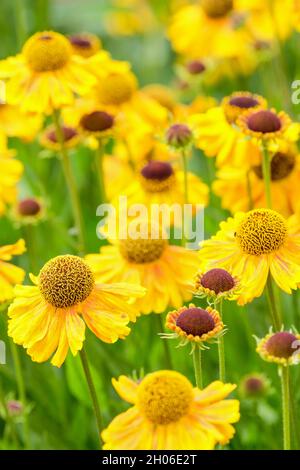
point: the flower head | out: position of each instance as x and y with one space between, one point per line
282 347
97 123
179 135
216 284
85 44
50 140
10 275
165 404
239 103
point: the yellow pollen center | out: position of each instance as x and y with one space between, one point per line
47 51
116 89
66 281
262 231
165 396
142 250
217 8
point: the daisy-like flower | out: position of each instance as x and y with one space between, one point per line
28 211
159 183
194 325
11 172
165 270
49 138
10 275
216 284
208 29
169 414
217 134
46 75
282 347
253 245
284 172
254 386
85 44
50 317
266 127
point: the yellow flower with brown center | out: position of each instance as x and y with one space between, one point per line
116 89
285 173
150 261
28 211
282 347
10 275
85 44
97 123
216 132
253 245
10 175
46 75
50 140
216 284
194 325
50 317
166 407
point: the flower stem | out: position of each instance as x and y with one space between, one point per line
221 351
285 390
198 367
71 183
249 191
267 175
92 390
167 351
185 176
21 390
276 317
100 171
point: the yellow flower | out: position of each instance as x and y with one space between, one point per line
50 317
194 324
169 414
10 275
216 284
217 134
28 211
282 347
207 29
117 173
165 270
15 123
46 75
129 17
11 172
267 128
249 185
85 44
253 245
49 138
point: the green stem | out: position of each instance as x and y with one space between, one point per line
185 176
71 183
20 21
221 351
21 390
166 343
285 390
276 317
249 191
92 390
267 175
99 154
198 367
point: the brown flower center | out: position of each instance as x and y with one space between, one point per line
195 67
243 102
195 321
217 280
67 132
217 8
97 121
264 121
282 166
282 344
29 207
178 135
157 176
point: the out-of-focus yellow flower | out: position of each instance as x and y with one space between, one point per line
28 211
85 44
10 275
248 183
282 347
129 17
169 414
50 317
117 173
217 134
46 75
15 123
49 138
253 245
10 175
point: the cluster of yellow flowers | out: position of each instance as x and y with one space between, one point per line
93 99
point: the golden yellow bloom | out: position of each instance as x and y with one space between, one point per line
117 172
14 123
165 270
46 75
49 138
282 347
28 211
50 317
194 324
249 185
217 134
85 44
169 414
10 275
253 245
129 17
11 172
216 284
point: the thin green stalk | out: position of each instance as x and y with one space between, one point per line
21 26
249 191
267 175
275 314
221 351
99 154
21 390
197 353
166 343
92 390
185 176
286 413
71 183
